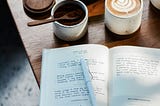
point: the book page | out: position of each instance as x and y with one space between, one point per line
135 76
62 80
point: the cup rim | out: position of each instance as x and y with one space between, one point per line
140 10
70 26
155 4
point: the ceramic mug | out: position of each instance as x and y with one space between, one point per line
156 3
70 32
122 24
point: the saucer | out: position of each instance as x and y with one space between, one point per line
38 6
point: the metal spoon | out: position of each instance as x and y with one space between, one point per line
67 16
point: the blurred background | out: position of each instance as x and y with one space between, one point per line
18 86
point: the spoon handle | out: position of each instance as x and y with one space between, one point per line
39 22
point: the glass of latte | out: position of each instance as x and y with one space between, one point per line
123 17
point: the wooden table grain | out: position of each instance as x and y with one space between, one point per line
36 38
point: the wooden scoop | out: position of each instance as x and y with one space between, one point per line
67 16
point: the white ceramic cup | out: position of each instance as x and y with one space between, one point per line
73 32
156 3
123 25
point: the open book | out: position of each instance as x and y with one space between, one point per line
121 76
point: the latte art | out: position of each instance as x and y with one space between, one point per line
123 7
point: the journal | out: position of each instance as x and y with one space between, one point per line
121 76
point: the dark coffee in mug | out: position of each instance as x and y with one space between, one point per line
73 9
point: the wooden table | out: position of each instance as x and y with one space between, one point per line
42 36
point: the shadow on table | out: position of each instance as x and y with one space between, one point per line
18 86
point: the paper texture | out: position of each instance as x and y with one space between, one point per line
63 80
135 76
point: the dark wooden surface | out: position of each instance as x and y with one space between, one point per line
39 37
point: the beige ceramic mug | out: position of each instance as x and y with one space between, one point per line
70 32
123 17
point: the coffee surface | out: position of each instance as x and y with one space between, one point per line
124 7
66 8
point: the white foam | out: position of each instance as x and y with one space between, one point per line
124 5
